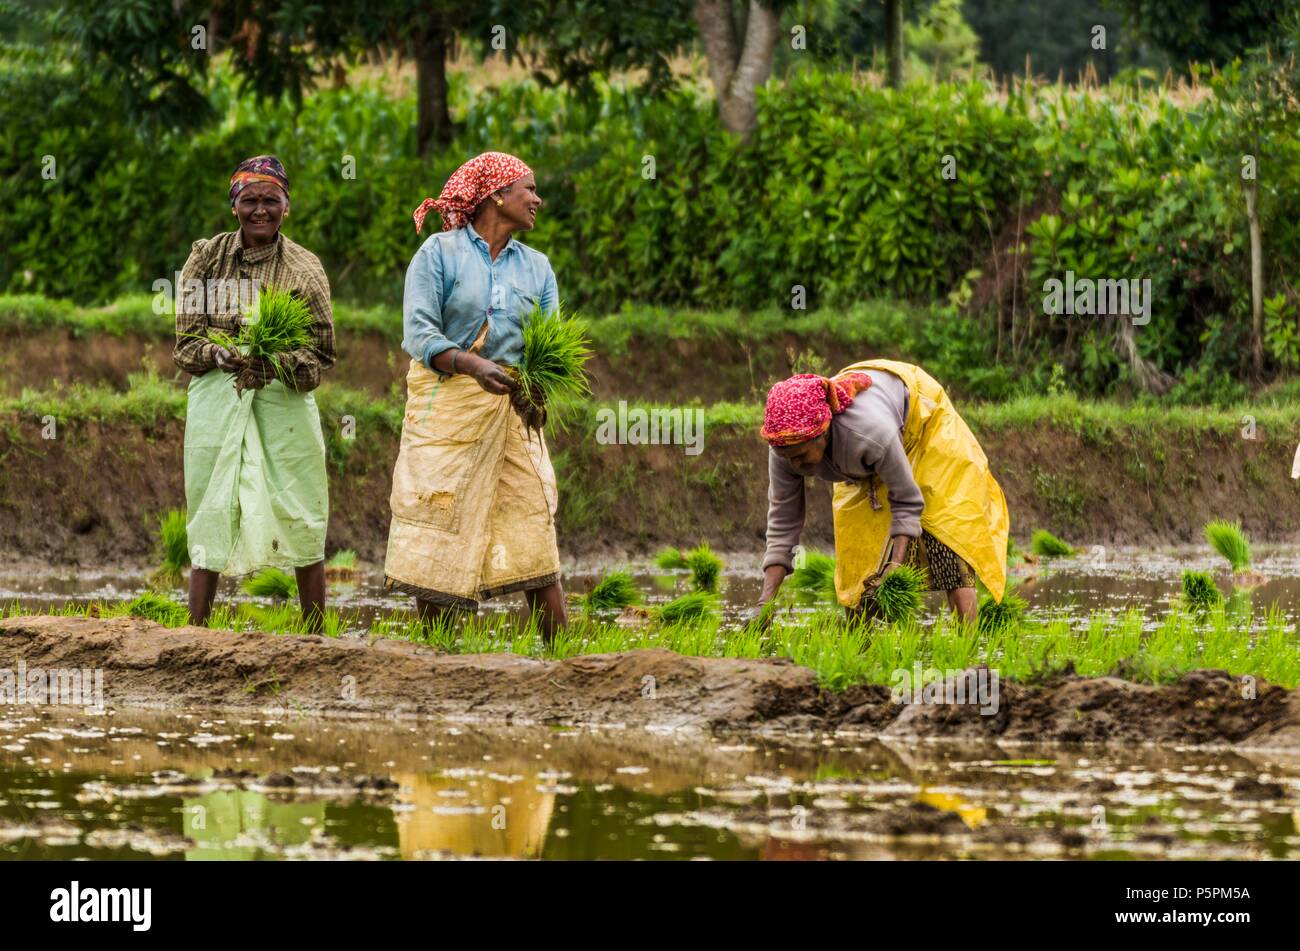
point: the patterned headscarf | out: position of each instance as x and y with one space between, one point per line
259 168
469 185
800 408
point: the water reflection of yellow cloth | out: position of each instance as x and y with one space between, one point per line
474 496
512 822
964 505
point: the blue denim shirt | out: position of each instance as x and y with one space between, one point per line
453 284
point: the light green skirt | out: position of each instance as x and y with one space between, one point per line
255 482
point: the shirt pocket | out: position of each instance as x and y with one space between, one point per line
522 302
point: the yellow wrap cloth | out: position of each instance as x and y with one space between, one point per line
474 496
964 505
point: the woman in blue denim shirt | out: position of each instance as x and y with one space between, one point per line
474 494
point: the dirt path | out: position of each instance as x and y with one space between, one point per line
147 665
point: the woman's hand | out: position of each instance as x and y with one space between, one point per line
486 374
228 360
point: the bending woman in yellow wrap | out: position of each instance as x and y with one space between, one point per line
884 425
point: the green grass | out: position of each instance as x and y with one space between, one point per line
1200 593
613 592
271 583
1046 545
1229 540
174 548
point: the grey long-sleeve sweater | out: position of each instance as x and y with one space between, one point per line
866 440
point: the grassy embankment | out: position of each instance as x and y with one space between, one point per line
842 655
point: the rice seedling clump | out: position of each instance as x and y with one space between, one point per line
1229 540
271 583
1200 593
815 575
1000 616
694 606
613 592
552 370
175 549
900 595
155 607
1046 545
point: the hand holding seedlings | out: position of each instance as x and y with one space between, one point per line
485 373
256 373
227 359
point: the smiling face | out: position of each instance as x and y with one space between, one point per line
805 457
519 203
260 207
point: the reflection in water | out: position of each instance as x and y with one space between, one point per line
493 817
241 824
142 785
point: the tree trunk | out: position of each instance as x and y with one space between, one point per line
1256 282
433 126
894 42
737 70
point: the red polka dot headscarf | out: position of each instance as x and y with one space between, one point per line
469 185
800 408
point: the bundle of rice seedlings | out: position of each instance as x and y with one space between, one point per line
1200 593
815 575
271 583
900 596
613 592
342 564
999 616
175 549
552 370
689 607
670 559
1046 545
1229 540
155 607
277 323
705 567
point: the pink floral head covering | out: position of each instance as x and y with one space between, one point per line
469 185
800 408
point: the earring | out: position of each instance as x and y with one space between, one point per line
499 202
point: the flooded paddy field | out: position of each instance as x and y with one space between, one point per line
195 785
1099 579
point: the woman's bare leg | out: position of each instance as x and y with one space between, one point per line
432 614
203 591
311 595
965 603
550 602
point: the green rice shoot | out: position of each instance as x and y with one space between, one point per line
1200 593
271 583
1229 540
613 592
815 575
173 542
552 370
694 606
155 607
1046 545
901 594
